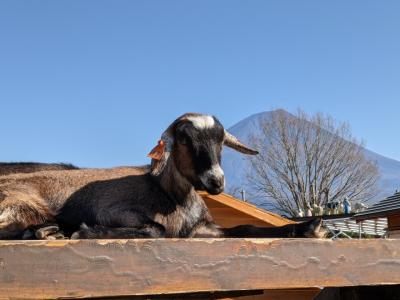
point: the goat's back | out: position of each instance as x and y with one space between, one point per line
56 186
30 167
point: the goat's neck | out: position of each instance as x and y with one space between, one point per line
175 185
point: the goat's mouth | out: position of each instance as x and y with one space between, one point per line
215 191
213 186
210 190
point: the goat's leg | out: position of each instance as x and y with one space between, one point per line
148 230
18 211
46 231
117 223
308 229
118 217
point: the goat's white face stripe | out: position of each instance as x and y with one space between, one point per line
215 171
202 122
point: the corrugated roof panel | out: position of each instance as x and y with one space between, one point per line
391 203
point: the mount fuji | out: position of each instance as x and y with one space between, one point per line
235 165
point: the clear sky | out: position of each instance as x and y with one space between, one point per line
96 82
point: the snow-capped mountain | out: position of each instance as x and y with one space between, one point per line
235 165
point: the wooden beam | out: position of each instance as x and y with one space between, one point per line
393 221
226 200
100 268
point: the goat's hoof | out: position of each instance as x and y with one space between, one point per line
56 236
51 232
45 231
80 234
85 232
75 236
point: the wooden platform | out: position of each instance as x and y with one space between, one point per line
105 268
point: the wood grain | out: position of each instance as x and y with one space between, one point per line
393 222
100 268
228 211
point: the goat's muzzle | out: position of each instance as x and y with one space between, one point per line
213 180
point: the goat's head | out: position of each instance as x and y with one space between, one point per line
194 142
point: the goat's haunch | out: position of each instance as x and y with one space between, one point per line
158 200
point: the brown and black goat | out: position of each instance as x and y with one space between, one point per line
159 200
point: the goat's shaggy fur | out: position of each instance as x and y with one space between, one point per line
134 202
30 167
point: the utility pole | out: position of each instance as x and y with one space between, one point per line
243 192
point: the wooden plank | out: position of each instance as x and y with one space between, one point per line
100 268
249 209
226 222
211 204
294 294
229 217
378 292
393 222
395 234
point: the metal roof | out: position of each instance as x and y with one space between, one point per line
381 208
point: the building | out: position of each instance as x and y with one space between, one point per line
387 208
345 226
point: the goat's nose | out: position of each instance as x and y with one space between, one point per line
213 180
216 182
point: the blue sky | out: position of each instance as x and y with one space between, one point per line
96 82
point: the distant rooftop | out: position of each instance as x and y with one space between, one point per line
383 208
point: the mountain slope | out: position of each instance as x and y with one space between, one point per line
235 165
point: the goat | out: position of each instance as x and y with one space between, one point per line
46 230
153 201
317 210
359 206
334 207
300 213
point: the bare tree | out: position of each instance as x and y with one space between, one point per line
306 162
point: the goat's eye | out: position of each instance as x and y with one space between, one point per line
182 135
182 139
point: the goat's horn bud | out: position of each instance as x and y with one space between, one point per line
232 142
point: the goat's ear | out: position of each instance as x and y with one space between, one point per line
157 166
158 151
161 152
232 142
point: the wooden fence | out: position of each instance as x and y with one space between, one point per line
116 268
